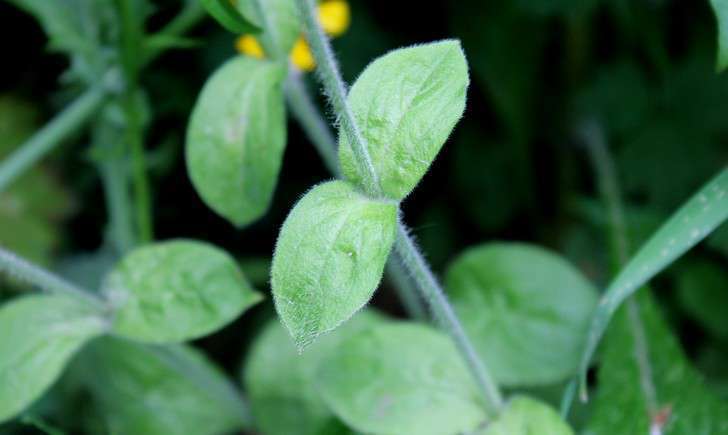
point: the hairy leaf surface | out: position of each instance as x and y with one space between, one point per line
527 416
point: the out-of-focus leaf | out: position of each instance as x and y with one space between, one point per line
703 293
526 416
280 381
406 102
329 258
236 137
225 12
645 383
697 218
400 378
720 7
556 7
279 21
145 390
40 334
526 308
175 291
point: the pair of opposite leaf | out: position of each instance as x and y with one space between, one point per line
162 293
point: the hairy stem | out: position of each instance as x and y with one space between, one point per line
51 135
335 89
21 269
313 124
412 259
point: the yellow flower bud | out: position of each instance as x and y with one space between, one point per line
248 45
334 16
301 55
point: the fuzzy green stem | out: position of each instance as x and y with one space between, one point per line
140 179
51 135
335 89
21 269
412 259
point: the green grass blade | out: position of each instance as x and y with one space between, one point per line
697 218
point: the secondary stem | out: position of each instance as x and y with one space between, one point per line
404 245
51 135
23 270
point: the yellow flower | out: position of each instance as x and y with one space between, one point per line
334 16
247 44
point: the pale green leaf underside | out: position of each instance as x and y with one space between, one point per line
525 308
38 336
526 416
406 103
236 137
697 218
720 7
141 393
280 381
329 258
401 378
643 373
176 291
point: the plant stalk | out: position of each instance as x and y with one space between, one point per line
21 269
70 120
413 260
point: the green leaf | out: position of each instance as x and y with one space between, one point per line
329 258
279 20
703 293
644 376
144 390
556 7
407 102
720 7
526 309
39 336
236 137
175 291
225 12
400 378
280 382
526 416
700 215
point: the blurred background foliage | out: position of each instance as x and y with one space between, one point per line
515 168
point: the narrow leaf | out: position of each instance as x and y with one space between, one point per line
526 309
645 383
329 258
720 7
700 215
401 378
236 137
281 384
176 291
227 15
407 103
141 392
526 416
39 335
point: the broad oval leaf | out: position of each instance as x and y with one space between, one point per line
38 336
225 12
645 383
406 103
526 309
329 258
281 385
236 137
525 416
150 390
176 291
401 378
720 7
697 218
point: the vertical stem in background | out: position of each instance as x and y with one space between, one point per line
135 140
412 259
52 134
